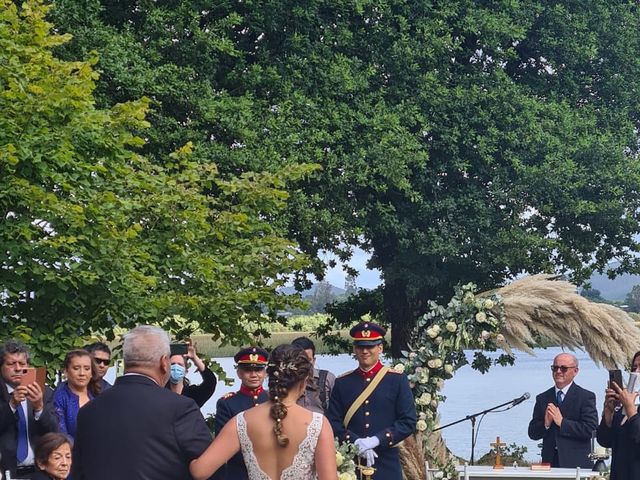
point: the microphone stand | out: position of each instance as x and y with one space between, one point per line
472 418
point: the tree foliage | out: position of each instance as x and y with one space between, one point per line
94 236
460 141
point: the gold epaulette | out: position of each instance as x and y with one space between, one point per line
345 374
227 395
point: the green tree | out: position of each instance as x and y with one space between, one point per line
460 141
94 236
633 299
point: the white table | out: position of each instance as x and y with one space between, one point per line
517 473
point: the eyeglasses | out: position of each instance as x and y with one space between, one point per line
562 368
102 361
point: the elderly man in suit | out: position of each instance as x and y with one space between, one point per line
564 417
26 412
138 430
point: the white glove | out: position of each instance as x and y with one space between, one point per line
370 457
365 448
366 443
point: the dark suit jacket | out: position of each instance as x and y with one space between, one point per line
573 437
138 431
48 422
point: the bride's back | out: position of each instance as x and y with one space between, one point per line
273 458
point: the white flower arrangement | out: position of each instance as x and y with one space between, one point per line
437 351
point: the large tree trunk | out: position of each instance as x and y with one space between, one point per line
400 315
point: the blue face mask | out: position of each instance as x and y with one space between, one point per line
177 373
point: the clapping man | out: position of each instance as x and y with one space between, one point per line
564 417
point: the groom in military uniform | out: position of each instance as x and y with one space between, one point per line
372 406
251 364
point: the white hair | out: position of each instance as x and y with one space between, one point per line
144 346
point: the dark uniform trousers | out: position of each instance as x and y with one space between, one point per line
389 414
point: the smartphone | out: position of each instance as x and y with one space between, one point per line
41 377
179 348
28 377
615 376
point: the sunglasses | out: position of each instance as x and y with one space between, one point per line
562 368
102 361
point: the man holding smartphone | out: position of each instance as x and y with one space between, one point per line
564 417
26 411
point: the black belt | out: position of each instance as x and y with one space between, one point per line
25 469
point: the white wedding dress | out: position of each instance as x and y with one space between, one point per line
303 465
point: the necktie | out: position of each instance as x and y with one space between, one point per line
559 397
23 439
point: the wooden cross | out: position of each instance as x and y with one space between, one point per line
498 446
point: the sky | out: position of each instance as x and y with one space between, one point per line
366 278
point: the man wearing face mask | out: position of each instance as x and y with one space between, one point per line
179 384
251 364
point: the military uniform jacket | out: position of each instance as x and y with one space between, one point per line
228 407
388 414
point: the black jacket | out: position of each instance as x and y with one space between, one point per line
138 431
48 422
573 438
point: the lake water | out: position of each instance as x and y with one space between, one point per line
470 392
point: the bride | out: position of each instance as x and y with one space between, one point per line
279 439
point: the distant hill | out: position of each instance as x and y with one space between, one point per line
337 291
616 289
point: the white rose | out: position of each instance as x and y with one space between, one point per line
399 368
347 476
481 317
440 383
500 337
488 304
438 340
434 403
425 398
435 475
468 298
424 377
451 326
485 335
448 368
421 425
422 416
339 459
438 363
432 333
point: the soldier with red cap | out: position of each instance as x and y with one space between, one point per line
251 364
372 406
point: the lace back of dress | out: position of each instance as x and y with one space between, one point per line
303 465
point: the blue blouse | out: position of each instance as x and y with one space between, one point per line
67 405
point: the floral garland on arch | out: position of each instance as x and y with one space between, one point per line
440 337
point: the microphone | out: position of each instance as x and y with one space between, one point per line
519 400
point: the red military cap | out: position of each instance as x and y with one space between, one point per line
366 334
252 357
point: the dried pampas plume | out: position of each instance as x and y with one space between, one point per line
542 305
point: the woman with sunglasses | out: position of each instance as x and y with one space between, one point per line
81 386
620 429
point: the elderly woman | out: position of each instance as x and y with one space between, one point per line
52 454
620 430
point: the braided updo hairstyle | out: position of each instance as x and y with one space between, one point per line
288 365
